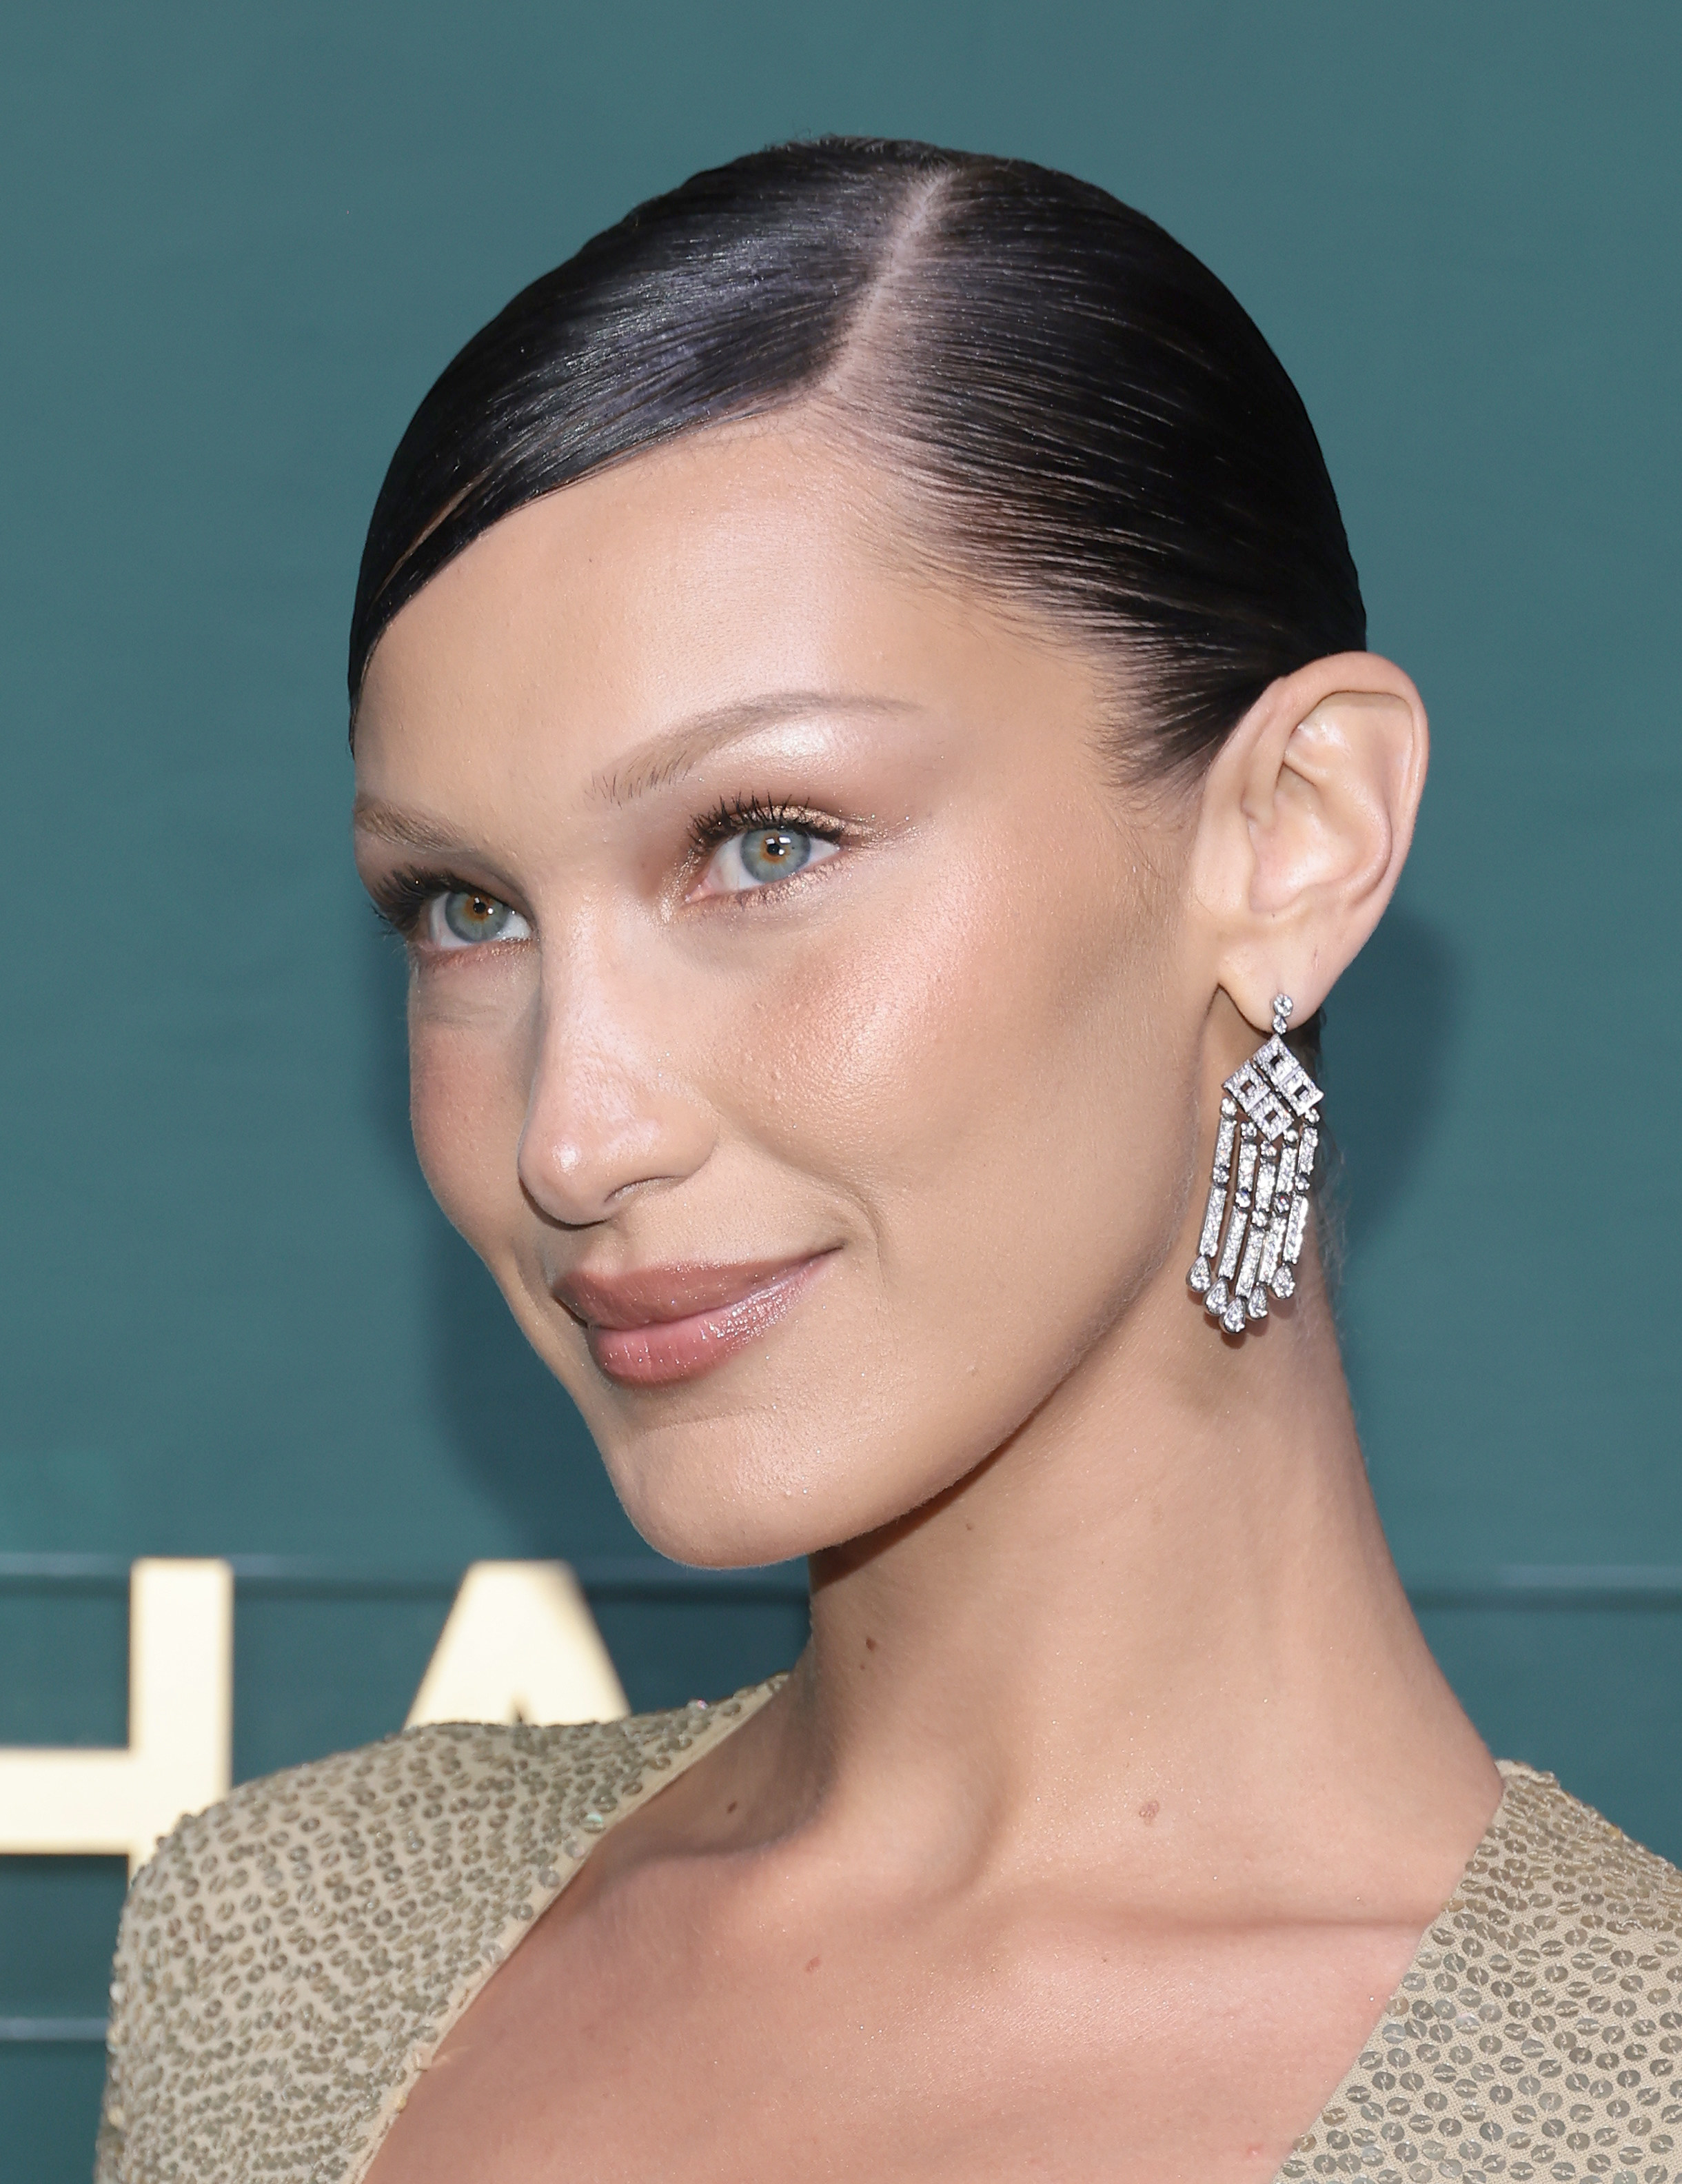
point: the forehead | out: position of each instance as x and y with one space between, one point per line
693 575
680 584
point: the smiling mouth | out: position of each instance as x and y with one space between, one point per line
663 1324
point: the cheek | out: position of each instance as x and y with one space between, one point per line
976 1074
467 1106
977 1052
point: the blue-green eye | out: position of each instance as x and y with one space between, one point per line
465 918
760 855
770 853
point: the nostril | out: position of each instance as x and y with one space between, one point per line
576 1176
544 1205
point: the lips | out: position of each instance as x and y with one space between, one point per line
660 1325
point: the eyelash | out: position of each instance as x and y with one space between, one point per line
401 899
740 814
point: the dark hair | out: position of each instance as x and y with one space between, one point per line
1090 418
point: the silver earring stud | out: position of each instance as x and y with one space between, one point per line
1270 1114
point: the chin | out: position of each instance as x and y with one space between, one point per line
718 1495
705 1512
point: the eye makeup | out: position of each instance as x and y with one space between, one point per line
748 815
402 899
790 837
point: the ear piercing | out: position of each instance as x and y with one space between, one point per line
1268 1110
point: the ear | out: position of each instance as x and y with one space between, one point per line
1306 817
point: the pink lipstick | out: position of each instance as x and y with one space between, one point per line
653 1326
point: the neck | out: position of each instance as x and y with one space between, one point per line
1168 1595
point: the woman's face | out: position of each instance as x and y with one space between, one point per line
788 1015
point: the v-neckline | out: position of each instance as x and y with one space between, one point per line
1485 1843
733 1714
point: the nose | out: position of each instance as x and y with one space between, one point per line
606 1114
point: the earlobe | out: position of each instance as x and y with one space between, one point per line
1307 815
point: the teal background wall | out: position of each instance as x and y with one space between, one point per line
235 245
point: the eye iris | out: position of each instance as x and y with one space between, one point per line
770 852
475 917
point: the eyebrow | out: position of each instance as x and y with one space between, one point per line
668 756
654 764
390 823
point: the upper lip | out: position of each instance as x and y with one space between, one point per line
648 1295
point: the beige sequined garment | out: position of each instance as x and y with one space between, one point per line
290 1960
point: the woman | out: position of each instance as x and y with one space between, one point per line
860 706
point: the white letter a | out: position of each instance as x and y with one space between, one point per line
520 1645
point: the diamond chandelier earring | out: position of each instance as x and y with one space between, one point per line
1270 1109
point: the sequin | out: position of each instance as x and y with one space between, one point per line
1536 2031
291 1959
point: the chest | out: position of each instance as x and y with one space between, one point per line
629 2044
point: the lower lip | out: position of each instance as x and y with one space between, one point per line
666 1350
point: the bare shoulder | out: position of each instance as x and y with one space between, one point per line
289 1957
1542 2015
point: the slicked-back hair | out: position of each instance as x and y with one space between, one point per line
1082 414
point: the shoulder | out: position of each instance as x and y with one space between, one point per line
289 1954
1552 1864
1538 2028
